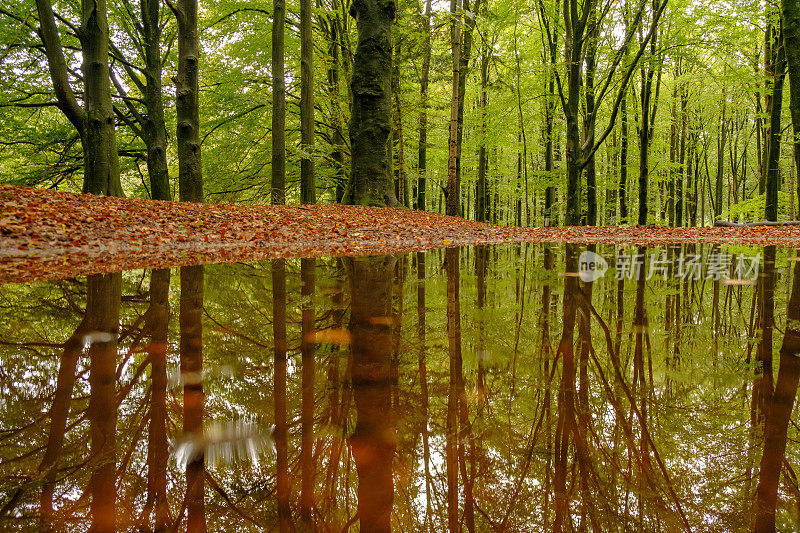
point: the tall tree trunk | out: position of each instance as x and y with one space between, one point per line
589 124
187 103
721 142
278 185
774 152
191 354
453 190
482 188
371 121
681 159
102 310
154 127
308 186
102 163
373 441
422 163
646 130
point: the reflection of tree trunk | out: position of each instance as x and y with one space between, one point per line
59 412
583 408
454 388
640 379
762 384
778 414
307 276
544 326
191 353
481 260
373 440
566 391
423 382
157 324
102 313
279 384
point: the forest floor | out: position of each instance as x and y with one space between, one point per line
48 235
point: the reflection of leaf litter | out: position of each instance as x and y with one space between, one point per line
97 337
225 443
330 336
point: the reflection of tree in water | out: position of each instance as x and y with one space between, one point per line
651 441
373 440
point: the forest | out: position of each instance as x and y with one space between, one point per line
554 113
316 334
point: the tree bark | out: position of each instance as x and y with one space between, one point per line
154 127
278 186
308 187
774 140
791 46
187 103
422 162
371 120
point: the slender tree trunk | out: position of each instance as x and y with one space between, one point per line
589 124
154 126
453 190
774 152
482 189
278 186
187 103
721 142
682 159
308 186
422 163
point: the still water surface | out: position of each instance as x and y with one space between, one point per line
475 389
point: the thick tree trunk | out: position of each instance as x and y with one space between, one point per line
278 185
371 121
102 163
187 103
774 138
154 127
308 186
